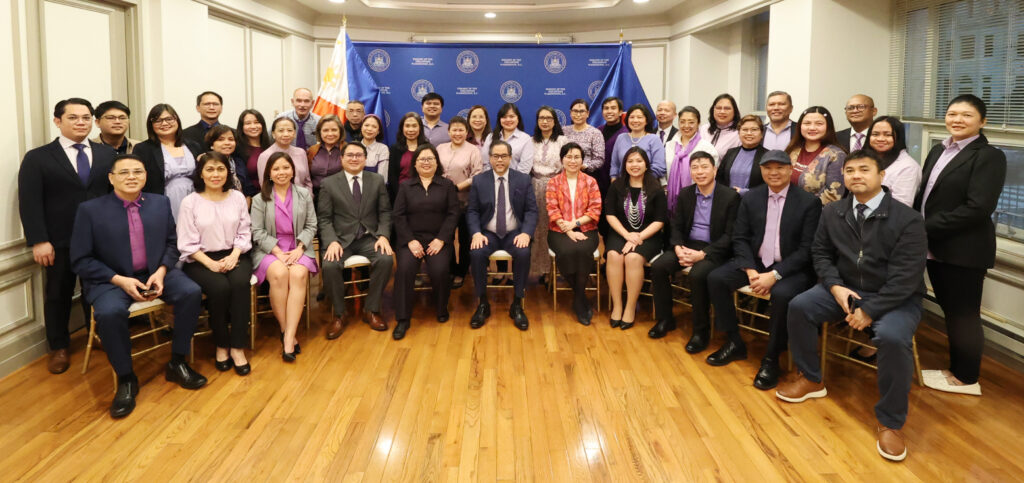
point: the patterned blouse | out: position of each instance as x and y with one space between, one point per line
560 206
823 176
592 142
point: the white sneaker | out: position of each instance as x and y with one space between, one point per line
942 384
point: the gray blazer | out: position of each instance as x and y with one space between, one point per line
339 217
264 229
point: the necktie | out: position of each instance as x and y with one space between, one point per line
357 196
499 212
661 134
300 135
771 232
859 143
82 160
860 213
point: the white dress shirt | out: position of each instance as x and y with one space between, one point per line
511 223
69 148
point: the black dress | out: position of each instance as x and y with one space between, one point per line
655 206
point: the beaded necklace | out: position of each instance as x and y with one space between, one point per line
635 210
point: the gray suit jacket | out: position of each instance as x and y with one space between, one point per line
264 229
339 217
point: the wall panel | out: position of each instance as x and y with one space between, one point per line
225 71
269 95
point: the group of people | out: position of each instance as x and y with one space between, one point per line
831 226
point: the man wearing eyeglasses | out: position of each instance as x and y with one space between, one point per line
354 216
860 111
112 119
209 105
53 180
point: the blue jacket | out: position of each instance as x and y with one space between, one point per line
481 201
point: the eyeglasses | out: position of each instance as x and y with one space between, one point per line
74 119
501 157
750 130
135 173
545 118
723 108
164 121
857 107
115 118
210 104
578 111
425 159
354 156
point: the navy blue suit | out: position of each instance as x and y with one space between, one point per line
101 248
480 211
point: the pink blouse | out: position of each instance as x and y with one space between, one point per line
210 226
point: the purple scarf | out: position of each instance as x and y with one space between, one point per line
680 175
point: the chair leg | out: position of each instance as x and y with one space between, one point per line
824 348
597 280
917 362
309 301
554 285
88 344
152 325
252 317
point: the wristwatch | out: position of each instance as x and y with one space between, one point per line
777 276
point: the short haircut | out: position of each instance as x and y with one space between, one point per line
437 158
106 106
355 101
432 96
569 146
206 158
273 125
58 110
864 154
648 118
698 155
326 119
216 132
751 118
971 99
691 110
616 100
457 120
122 157
499 142
199 98
586 105
356 144
772 94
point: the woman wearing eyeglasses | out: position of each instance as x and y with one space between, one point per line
168 156
588 137
547 144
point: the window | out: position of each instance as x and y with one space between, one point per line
1009 216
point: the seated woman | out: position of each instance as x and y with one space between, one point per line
283 131
170 159
426 212
283 226
214 233
902 172
740 168
635 208
223 139
325 156
817 159
377 153
573 202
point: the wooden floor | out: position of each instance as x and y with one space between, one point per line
560 402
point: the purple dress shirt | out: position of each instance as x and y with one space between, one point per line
701 229
136 235
438 134
777 141
770 251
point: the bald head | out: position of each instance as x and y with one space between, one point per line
665 113
860 110
302 101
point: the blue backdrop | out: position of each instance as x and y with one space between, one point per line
492 74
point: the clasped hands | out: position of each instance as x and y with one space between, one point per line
856 318
568 227
688 256
134 287
433 248
633 240
760 283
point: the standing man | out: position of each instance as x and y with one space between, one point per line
860 111
502 215
305 121
779 128
666 115
53 180
434 128
209 105
124 247
355 111
771 247
112 118
613 127
355 219
869 252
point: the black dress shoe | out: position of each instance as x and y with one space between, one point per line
584 317
224 366
614 323
855 354
287 356
400 328
729 352
183 375
243 370
124 399
662 328
515 311
457 282
483 311
442 318
297 350
698 342
768 376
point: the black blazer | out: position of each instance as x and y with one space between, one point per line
395 153
423 215
725 167
195 133
49 191
958 214
723 215
153 158
672 131
796 230
481 201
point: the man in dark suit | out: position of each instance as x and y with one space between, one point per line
666 115
502 215
860 112
124 247
772 253
53 180
701 237
209 105
355 219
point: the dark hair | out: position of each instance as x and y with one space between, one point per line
865 154
326 119
353 101
691 110
797 139
502 112
400 139
579 101
268 185
432 96
58 110
106 106
650 182
569 146
154 114
701 155
498 142
971 99
556 130
122 157
648 118
295 127
471 138
243 141
616 100
460 120
751 118
199 98
437 158
380 125
207 158
772 94
712 124
216 132
356 144
899 141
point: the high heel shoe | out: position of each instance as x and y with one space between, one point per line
615 323
298 350
628 325
287 356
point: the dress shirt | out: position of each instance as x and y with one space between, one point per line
727 138
69 148
739 175
853 139
701 229
351 181
522 151
460 164
770 246
511 223
298 159
136 232
324 163
377 158
210 226
308 129
438 134
777 141
951 149
903 177
663 133
872 204
592 142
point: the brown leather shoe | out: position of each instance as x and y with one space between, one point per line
891 444
59 361
376 323
800 389
336 327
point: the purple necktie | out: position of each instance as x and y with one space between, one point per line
771 230
82 160
499 212
859 143
300 135
661 134
860 213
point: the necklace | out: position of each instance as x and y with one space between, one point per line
634 140
635 210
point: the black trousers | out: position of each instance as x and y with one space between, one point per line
460 267
380 272
724 280
227 299
958 291
59 292
438 268
480 259
661 280
575 260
